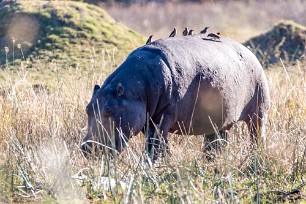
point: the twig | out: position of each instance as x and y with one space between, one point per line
127 200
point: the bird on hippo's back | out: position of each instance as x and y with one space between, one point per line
173 33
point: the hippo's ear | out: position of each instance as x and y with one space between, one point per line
96 88
120 90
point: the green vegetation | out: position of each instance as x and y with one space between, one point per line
45 34
286 40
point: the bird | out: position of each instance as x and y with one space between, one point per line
213 36
173 33
218 33
190 32
185 32
204 30
149 40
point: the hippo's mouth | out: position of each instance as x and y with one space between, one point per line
93 148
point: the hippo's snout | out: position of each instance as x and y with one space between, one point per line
87 148
91 148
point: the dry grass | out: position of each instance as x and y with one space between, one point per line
41 160
41 132
235 19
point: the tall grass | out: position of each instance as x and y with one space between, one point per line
41 131
41 128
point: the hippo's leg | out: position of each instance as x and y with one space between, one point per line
215 141
151 133
157 141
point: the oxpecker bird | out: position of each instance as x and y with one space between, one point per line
213 36
190 32
185 32
149 40
204 30
173 33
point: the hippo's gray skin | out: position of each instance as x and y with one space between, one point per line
183 85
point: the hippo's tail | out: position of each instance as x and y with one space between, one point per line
259 114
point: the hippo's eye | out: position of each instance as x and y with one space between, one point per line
107 111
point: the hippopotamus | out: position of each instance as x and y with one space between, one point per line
190 85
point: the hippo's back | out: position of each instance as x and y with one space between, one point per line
212 81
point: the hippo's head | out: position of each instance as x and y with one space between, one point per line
114 115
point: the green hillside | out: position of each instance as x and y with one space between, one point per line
66 33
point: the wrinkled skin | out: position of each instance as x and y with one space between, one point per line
181 85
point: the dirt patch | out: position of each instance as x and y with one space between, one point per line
286 41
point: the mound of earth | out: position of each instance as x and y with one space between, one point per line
66 32
286 41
